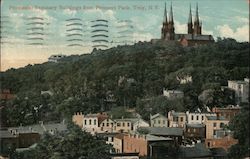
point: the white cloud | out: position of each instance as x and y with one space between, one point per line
240 34
180 28
241 19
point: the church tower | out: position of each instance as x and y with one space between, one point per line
190 22
171 28
167 31
197 23
164 28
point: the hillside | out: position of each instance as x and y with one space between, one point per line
122 76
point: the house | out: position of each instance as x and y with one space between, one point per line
184 79
225 142
173 94
6 94
158 120
77 118
41 128
147 145
118 143
177 119
91 122
129 124
195 131
241 89
214 124
197 117
228 112
108 137
107 125
56 58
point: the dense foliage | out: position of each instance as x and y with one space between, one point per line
240 126
74 144
124 76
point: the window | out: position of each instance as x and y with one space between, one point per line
192 117
208 144
163 121
214 132
102 124
94 121
202 117
89 121
197 117
159 121
215 124
107 124
221 125
123 124
128 124
85 122
118 124
181 119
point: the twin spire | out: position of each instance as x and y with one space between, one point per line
168 29
196 20
171 18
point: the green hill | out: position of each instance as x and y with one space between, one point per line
121 76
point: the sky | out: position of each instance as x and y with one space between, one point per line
33 30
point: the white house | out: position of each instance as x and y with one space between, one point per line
184 79
173 94
107 125
56 58
91 122
241 89
197 117
158 120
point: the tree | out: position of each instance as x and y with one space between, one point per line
74 144
240 127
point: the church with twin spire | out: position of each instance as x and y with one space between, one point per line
194 34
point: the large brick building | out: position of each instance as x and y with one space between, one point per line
194 34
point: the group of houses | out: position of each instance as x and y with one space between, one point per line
183 129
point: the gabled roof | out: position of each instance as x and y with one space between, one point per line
6 134
40 128
194 37
164 131
157 138
216 118
119 136
195 125
157 115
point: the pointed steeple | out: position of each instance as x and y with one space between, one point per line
165 14
190 22
197 14
171 19
190 15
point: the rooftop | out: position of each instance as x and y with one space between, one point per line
6 134
157 115
164 131
198 150
216 118
195 125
